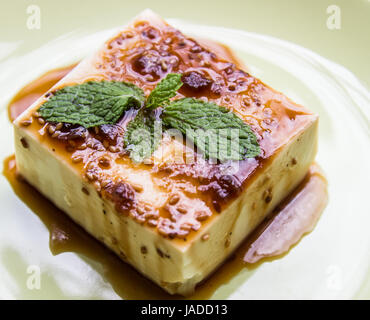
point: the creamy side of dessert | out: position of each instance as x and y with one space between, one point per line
174 222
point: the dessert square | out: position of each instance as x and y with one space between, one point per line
174 220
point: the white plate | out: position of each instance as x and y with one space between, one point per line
331 262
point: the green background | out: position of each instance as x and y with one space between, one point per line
300 21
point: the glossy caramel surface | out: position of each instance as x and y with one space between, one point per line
34 90
176 199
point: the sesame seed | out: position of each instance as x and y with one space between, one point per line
76 159
24 143
140 210
227 242
268 199
182 209
174 217
41 120
90 144
149 78
163 231
201 215
152 215
105 182
181 234
185 226
140 219
82 146
56 134
137 187
216 206
122 255
97 186
160 253
164 65
174 199
90 176
26 122
35 114
113 149
152 222
51 129
205 237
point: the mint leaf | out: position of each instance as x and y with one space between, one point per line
92 103
217 132
142 135
164 90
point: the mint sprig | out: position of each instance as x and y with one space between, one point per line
164 91
92 103
143 135
216 131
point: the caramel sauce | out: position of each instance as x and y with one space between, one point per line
147 51
144 54
34 90
85 146
66 236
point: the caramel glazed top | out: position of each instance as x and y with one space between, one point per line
182 196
